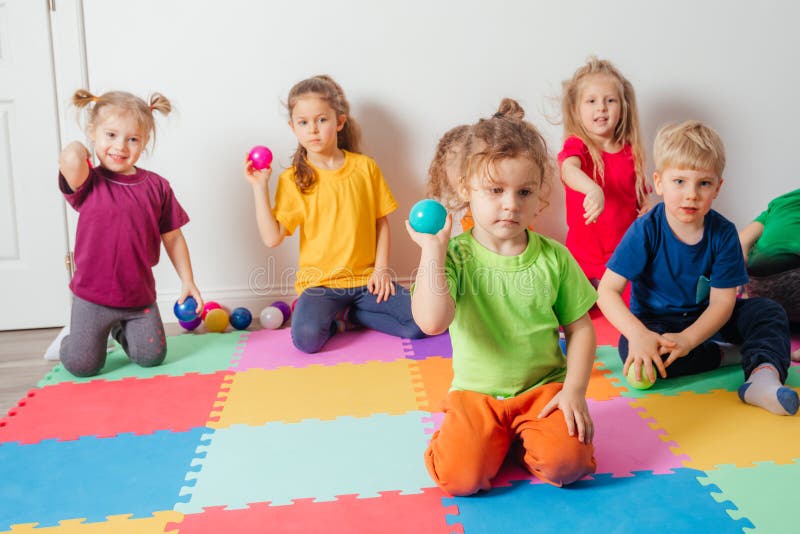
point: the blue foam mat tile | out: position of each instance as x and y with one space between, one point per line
642 503
93 478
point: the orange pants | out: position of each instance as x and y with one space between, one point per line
478 431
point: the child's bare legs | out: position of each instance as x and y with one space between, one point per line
467 452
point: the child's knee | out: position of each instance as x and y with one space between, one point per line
412 331
147 354
80 363
308 338
565 464
457 479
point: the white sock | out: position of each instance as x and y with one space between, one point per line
763 388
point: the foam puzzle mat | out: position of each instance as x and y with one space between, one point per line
240 432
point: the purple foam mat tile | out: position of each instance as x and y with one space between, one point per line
419 349
272 349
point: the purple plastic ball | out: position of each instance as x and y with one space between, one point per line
190 325
285 309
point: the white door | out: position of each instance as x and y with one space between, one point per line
33 240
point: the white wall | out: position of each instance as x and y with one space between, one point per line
414 69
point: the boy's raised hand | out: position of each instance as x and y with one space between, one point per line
256 177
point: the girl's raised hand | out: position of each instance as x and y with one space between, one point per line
593 204
254 176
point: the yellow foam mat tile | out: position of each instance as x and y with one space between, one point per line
717 428
258 396
118 524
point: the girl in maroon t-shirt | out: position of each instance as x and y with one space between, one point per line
125 214
601 163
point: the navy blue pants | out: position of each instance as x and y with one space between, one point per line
313 317
758 325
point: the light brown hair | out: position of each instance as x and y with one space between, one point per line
348 138
508 135
439 187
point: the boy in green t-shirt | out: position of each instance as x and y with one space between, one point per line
503 291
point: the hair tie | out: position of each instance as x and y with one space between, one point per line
94 99
497 115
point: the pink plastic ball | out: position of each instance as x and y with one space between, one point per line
208 306
294 303
260 156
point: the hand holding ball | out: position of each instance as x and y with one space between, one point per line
644 383
260 157
186 310
427 216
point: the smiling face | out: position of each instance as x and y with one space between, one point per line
118 139
316 125
600 107
503 197
688 195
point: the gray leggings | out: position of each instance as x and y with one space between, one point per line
139 331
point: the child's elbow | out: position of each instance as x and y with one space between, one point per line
432 329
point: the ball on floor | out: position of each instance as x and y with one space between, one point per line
216 320
271 318
241 318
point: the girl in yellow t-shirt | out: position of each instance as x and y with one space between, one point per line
339 201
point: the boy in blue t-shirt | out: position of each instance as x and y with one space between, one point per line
684 262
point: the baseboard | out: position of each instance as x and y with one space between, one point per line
236 297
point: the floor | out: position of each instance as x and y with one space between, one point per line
22 362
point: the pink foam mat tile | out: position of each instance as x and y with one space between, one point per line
272 349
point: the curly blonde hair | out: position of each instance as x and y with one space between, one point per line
450 145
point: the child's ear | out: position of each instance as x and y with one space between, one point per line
657 183
340 122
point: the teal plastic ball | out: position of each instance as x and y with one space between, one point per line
427 216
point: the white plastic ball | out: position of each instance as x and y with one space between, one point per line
271 318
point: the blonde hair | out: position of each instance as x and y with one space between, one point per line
508 135
626 130
348 138
439 186
141 111
689 145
